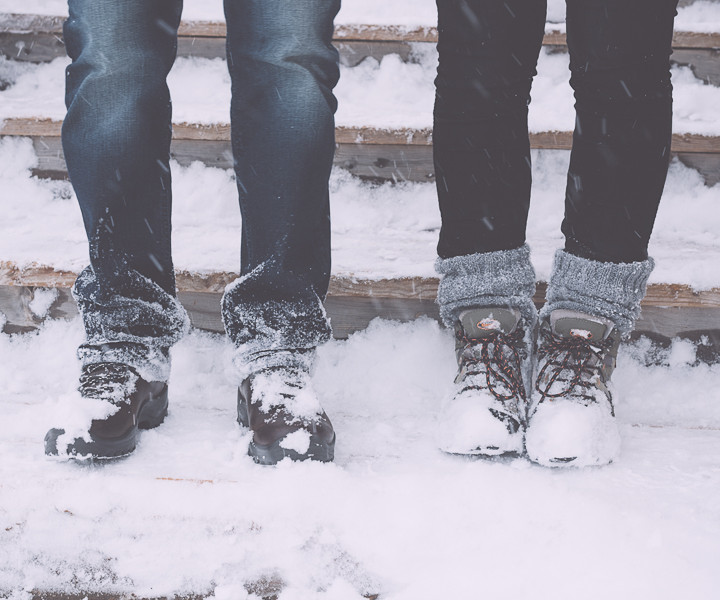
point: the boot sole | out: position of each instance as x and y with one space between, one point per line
151 415
274 453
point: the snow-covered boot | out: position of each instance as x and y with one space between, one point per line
133 404
571 420
486 413
281 408
590 306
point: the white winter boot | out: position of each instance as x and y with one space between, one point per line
571 419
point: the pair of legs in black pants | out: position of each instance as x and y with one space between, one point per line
620 73
619 61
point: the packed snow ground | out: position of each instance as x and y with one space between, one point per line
190 512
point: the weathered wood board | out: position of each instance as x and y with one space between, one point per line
668 309
396 155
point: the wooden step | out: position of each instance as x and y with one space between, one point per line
399 154
38 38
669 310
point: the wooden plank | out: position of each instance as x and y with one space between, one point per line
16 23
401 155
352 313
38 38
707 164
705 64
668 309
352 52
551 140
390 162
263 588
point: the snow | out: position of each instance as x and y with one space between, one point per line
299 441
43 299
189 510
384 94
378 231
567 429
701 16
467 426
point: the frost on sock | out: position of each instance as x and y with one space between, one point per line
603 289
503 278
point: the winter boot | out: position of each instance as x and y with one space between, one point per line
279 406
138 405
486 413
571 420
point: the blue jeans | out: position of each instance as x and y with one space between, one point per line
620 73
116 139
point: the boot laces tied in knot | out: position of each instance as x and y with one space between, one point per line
574 354
501 367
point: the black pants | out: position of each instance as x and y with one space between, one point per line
619 62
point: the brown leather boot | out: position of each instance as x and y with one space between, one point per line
280 407
140 405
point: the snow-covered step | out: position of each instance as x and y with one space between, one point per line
38 38
383 243
30 295
189 515
373 97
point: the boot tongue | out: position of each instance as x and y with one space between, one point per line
571 323
478 323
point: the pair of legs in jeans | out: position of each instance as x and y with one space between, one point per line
116 139
530 393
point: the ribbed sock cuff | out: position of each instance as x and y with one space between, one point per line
501 278
602 289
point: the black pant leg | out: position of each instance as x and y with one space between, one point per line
620 72
488 53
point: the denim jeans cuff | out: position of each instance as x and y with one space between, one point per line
135 324
269 328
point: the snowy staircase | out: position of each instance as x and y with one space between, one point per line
393 150
394 153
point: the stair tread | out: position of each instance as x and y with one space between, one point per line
386 95
379 231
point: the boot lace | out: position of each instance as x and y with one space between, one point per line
107 381
575 355
498 366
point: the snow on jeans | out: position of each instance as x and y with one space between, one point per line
116 140
620 73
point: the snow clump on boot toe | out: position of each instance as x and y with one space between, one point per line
467 426
566 433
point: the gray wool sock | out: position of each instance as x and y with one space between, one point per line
502 278
602 289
